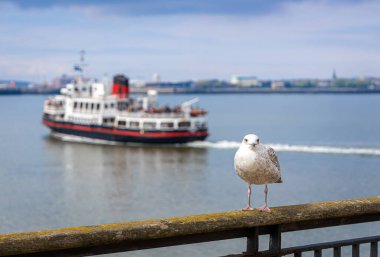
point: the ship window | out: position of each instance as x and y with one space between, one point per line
183 124
134 124
200 125
86 106
75 105
122 123
121 106
105 106
167 125
112 119
81 105
97 106
112 105
149 125
92 106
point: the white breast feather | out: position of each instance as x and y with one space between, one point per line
259 166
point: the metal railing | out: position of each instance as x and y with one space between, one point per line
138 235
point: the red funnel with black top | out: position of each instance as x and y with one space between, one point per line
120 86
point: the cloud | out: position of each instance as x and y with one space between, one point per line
300 39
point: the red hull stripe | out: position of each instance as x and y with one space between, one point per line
123 132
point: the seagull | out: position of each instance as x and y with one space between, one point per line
257 164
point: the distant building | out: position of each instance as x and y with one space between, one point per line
61 81
156 78
12 84
210 83
137 83
323 83
277 84
245 81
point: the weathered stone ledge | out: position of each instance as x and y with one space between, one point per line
130 232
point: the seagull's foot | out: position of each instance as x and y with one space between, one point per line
248 208
264 208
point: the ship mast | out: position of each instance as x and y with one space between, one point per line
80 67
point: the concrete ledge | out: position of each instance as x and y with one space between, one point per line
129 233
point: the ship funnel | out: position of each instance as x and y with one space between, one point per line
120 86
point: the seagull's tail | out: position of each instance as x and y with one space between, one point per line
279 180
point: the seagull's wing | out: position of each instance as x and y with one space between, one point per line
273 157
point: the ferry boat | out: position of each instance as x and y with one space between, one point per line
84 108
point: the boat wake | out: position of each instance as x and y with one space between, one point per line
224 144
292 148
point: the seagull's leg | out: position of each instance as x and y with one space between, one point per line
249 208
265 206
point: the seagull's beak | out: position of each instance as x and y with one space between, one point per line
253 144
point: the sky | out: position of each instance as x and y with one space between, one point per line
190 40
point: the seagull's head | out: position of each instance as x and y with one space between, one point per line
251 140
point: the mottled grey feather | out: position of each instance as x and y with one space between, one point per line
273 157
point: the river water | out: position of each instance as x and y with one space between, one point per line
328 147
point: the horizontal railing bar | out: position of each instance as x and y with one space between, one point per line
313 247
322 246
190 229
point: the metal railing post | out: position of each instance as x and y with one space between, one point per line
337 252
355 250
374 249
275 240
253 241
318 253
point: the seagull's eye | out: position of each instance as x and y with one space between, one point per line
245 140
257 140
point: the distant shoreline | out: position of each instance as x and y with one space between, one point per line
23 91
258 91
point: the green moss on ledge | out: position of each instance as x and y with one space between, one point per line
129 232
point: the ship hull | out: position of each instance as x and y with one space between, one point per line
124 135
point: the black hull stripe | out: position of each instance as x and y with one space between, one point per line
118 135
130 139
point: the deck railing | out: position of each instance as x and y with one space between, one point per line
138 235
